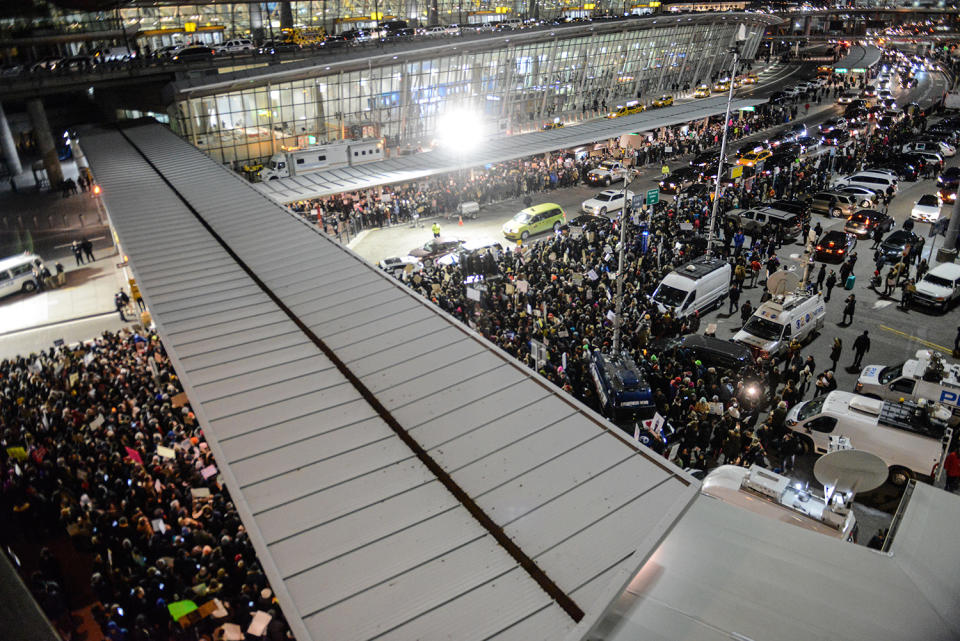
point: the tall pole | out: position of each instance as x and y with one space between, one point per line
623 241
723 151
949 248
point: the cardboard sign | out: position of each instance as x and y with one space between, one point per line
523 286
165 452
179 400
72 380
97 422
258 626
199 492
208 471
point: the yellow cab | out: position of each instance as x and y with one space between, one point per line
751 78
663 101
753 158
632 107
721 86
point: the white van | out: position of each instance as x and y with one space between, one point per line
775 496
510 24
914 380
238 45
907 436
880 183
695 286
16 274
779 321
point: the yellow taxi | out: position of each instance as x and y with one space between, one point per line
737 83
753 158
632 107
721 86
703 91
534 220
556 124
663 101
751 78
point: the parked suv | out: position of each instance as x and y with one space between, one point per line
939 287
834 204
239 45
753 220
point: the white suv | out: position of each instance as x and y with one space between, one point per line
240 45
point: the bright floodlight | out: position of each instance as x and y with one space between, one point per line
460 129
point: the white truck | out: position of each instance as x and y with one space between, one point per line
779 321
609 171
913 380
775 496
908 436
342 153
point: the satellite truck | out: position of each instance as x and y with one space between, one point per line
341 153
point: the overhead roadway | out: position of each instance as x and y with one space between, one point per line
858 58
400 477
494 150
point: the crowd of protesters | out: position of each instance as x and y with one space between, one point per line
101 447
560 291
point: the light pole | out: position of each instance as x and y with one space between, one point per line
741 37
623 238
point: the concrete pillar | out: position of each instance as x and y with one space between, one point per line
9 147
48 150
807 25
286 16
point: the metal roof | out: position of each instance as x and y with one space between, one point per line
726 573
399 476
406 168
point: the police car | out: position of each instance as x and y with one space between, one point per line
913 380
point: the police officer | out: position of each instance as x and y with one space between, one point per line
436 230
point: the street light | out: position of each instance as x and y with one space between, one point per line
740 39
627 180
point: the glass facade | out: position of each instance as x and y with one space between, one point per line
508 89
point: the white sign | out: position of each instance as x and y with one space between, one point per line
522 286
473 294
592 275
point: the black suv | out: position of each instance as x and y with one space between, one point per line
711 351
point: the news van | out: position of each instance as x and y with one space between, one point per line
775 496
341 153
779 321
694 286
907 436
919 378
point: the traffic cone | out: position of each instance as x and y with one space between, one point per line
460 220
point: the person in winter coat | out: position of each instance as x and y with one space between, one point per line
835 352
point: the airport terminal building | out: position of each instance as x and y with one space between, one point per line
508 83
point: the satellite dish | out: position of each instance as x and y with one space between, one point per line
782 282
850 471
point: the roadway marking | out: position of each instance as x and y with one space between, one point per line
946 350
880 304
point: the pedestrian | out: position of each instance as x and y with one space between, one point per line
746 311
849 307
87 248
831 283
877 237
77 252
821 276
860 347
956 343
119 304
436 230
835 351
951 465
734 299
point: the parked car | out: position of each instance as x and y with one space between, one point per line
892 247
926 209
863 223
194 53
834 204
434 249
834 246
